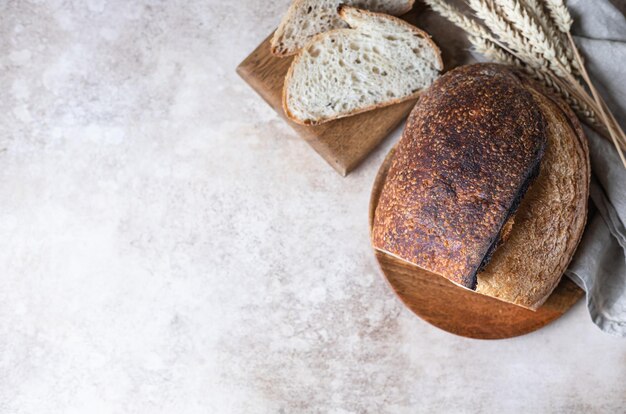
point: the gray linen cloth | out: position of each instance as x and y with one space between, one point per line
599 266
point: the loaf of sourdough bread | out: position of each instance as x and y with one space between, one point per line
551 218
456 200
471 148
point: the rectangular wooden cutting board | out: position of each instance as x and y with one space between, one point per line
345 142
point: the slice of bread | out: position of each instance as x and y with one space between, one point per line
307 18
379 61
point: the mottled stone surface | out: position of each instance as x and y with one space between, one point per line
169 245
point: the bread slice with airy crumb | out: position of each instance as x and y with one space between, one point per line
307 18
379 61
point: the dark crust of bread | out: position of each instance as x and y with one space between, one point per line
470 150
551 218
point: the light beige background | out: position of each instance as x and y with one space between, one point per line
169 245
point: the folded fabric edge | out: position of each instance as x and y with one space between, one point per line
609 326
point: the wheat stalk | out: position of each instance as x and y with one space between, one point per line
563 20
457 17
538 13
535 35
488 12
495 53
617 134
560 15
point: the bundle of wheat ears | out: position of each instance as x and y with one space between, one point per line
534 35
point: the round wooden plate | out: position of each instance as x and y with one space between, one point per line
457 310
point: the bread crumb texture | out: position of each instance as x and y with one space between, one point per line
379 61
307 18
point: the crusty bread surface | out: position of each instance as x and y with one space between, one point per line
307 18
379 61
537 241
550 221
470 150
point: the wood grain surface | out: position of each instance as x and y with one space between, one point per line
345 142
457 310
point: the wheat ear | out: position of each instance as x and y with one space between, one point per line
560 15
563 20
495 53
561 44
535 35
487 11
471 26
560 18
